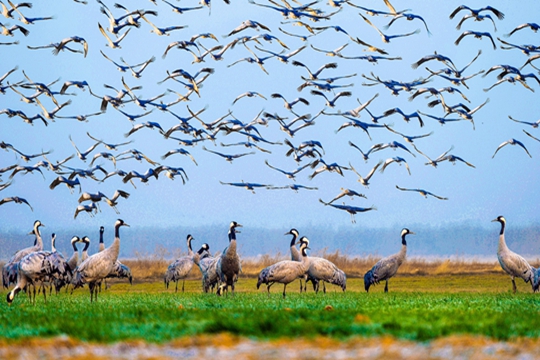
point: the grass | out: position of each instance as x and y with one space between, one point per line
417 308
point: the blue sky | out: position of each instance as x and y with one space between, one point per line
506 184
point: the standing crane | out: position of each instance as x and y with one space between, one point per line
180 269
228 266
286 271
96 268
9 271
513 264
387 267
324 270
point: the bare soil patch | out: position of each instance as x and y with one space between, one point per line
226 346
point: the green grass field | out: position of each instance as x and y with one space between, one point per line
417 308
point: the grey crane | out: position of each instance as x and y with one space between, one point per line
199 259
423 192
477 35
353 210
16 200
112 201
324 270
94 269
210 277
295 253
202 253
476 12
9 271
91 209
228 266
387 38
536 280
32 268
286 271
397 160
365 180
533 26
69 183
101 243
246 185
63 271
228 157
8 13
347 192
180 268
513 264
511 142
73 261
120 270
86 241
387 267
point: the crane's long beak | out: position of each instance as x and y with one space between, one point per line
412 233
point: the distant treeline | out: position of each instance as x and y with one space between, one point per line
448 240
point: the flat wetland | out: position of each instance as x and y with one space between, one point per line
423 308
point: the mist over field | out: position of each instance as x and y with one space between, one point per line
454 240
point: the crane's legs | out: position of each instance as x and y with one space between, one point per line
44 292
91 287
514 288
284 287
268 288
386 287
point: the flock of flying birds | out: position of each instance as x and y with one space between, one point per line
321 89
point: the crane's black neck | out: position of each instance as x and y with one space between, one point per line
38 235
189 244
503 225
74 244
201 250
293 240
101 236
232 235
403 241
304 252
86 246
35 241
117 231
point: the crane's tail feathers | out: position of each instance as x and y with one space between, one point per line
78 280
339 279
9 274
369 279
536 279
263 278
